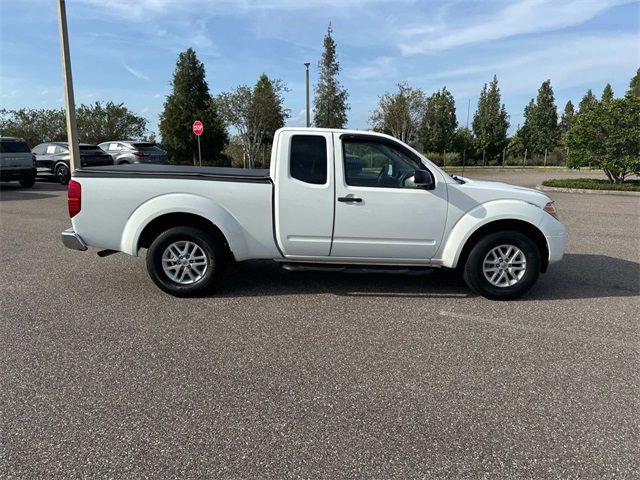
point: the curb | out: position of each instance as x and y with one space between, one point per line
544 188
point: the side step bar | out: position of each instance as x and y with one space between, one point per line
313 267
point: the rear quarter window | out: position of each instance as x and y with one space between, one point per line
308 159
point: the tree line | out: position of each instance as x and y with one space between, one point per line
602 133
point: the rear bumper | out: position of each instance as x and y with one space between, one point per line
72 240
17 173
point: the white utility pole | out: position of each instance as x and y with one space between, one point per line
69 102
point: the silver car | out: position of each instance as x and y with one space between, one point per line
16 161
129 151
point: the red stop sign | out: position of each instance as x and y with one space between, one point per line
197 127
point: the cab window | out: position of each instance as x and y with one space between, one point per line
369 163
308 159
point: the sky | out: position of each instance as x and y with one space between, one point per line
126 50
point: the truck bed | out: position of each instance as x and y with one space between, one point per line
183 172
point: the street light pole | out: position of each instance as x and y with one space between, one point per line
306 64
70 105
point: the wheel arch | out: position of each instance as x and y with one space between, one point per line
163 222
171 210
527 228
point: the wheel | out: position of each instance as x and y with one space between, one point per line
62 174
28 182
502 265
185 261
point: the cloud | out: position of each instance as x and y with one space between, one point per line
134 72
518 18
377 69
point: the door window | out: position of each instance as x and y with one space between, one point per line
377 164
308 159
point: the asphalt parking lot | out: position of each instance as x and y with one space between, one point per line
318 375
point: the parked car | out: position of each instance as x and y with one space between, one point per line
53 158
317 207
16 161
129 151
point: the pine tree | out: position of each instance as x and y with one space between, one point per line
440 122
330 103
540 129
189 101
490 121
588 102
607 94
634 85
566 119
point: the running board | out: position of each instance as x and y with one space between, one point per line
106 253
314 267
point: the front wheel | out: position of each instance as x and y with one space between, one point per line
502 265
185 261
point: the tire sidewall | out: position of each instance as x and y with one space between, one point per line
64 180
474 275
28 182
209 246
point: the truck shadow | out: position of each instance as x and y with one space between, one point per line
577 276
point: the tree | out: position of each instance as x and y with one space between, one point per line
400 114
607 136
634 85
98 123
268 106
330 103
34 125
189 101
539 132
465 144
255 114
607 93
440 122
490 121
566 119
588 102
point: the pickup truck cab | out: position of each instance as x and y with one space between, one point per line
331 198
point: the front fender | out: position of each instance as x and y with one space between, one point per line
480 216
182 203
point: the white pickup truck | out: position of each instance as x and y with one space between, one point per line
331 199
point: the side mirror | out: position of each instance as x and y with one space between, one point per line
424 179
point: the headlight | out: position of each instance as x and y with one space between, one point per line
550 208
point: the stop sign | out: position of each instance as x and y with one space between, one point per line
197 127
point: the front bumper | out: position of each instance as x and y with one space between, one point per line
72 240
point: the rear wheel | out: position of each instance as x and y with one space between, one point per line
502 265
62 174
186 261
28 181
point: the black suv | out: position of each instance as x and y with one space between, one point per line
53 158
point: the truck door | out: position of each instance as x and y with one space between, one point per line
304 193
380 214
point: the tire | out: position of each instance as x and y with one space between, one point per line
28 182
169 254
63 175
124 162
486 274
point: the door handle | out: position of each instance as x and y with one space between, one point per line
349 199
